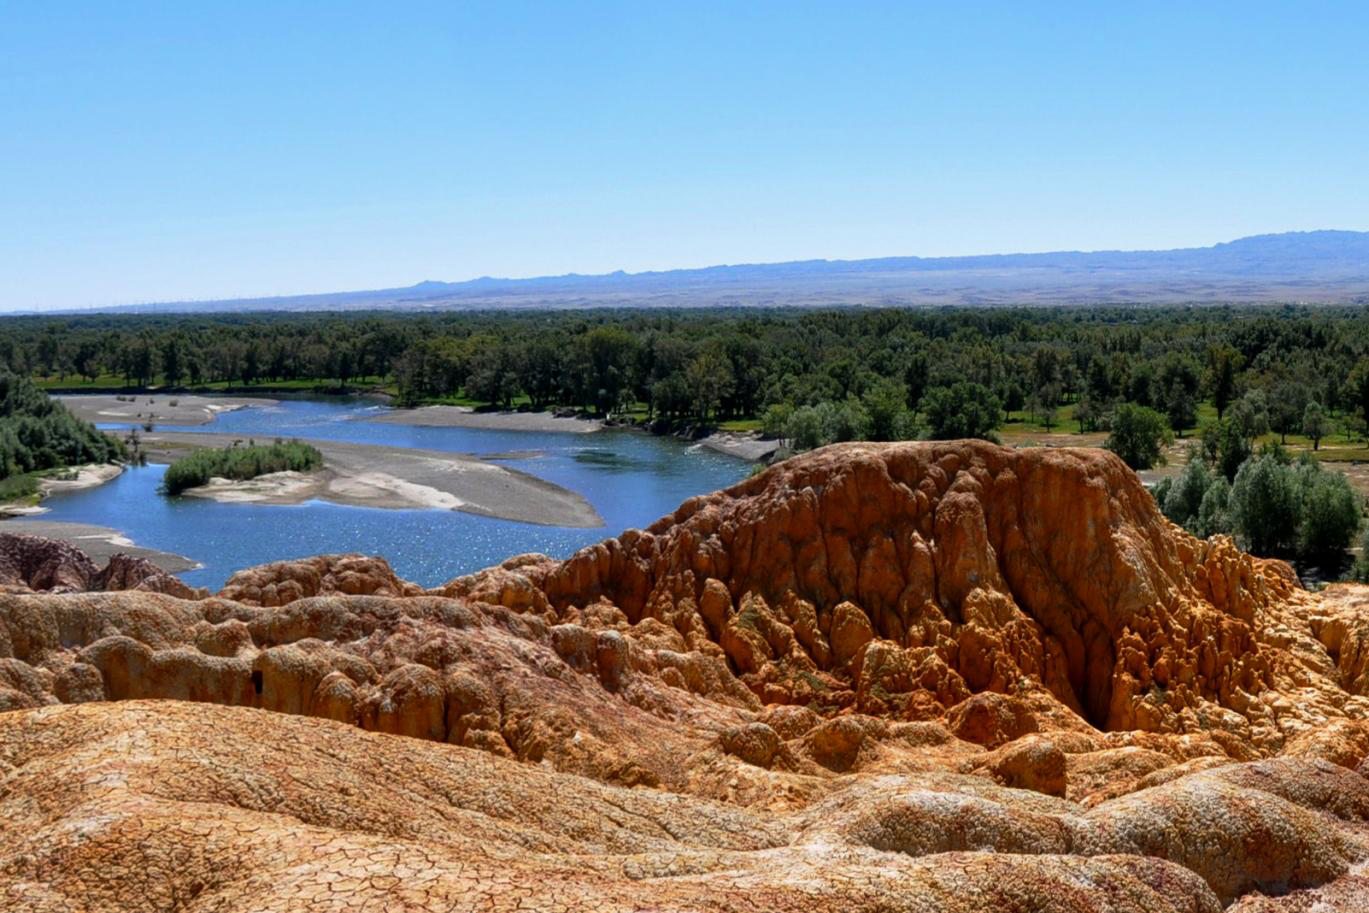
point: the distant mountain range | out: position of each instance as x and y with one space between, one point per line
1314 266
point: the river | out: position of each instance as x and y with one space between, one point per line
630 478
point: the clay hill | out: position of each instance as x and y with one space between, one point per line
915 677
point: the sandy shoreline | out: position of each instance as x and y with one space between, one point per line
87 476
156 407
99 542
369 475
464 417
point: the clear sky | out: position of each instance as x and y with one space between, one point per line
157 151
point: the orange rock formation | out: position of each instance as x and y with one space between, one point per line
916 676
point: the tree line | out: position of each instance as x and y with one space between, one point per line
810 376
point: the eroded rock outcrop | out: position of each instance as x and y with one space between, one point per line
898 580
876 677
282 582
36 563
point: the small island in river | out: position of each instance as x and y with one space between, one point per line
372 475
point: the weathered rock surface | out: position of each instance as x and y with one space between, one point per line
895 677
323 575
37 563
899 580
153 806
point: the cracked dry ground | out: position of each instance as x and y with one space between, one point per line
924 677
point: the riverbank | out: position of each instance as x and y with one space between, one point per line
397 478
742 445
157 409
99 542
465 417
200 410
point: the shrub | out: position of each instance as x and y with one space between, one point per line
886 404
1197 499
1185 496
1161 492
774 420
1360 571
239 463
845 421
1228 446
963 409
1315 424
803 429
1214 513
1137 435
827 423
1265 505
18 488
1330 511
1250 415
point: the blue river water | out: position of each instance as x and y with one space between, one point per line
631 478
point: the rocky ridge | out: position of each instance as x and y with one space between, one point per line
37 563
875 677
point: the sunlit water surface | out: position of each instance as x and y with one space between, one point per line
631 478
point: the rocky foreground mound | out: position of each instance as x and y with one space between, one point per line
935 677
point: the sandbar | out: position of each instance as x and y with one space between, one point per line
370 475
465 417
155 407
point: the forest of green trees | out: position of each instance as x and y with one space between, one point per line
37 433
811 376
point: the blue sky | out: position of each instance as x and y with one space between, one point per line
195 150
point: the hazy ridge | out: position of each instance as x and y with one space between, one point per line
1330 266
